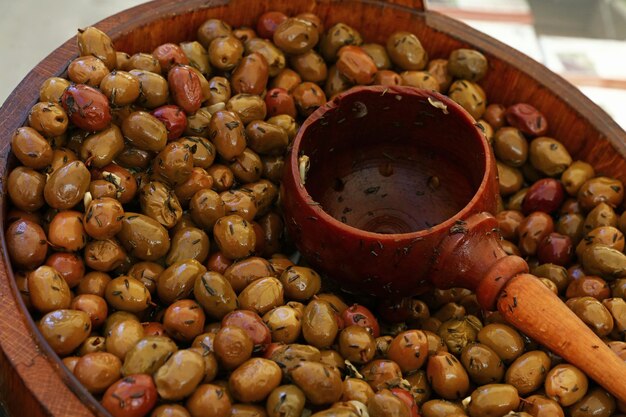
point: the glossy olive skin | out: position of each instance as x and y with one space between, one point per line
597 402
566 384
154 91
319 324
320 383
441 408
593 313
234 236
227 131
406 51
527 373
483 365
132 396
143 237
549 156
144 131
467 64
232 346
67 185
184 320
48 290
86 107
209 400
381 373
25 187
254 380
180 375
65 329
447 376
26 244
493 400
285 401
148 355
97 371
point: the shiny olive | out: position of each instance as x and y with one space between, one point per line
549 156
180 375
510 146
467 64
493 400
600 190
320 383
604 261
295 36
67 185
170 410
65 330
143 237
225 52
308 98
148 355
48 118
52 89
470 96
527 373
87 70
127 294
48 290
103 218
597 402
234 236
177 281
153 89
104 255
247 107
483 365
442 408
121 87
134 395
319 324
285 401
385 403
406 51
92 41
337 36
300 283
209 400
566 384
240 203
184 320
438 68
144 131
381 373
262 295
232 346
284 323
25 187
447 376
97 371
254 380
356 344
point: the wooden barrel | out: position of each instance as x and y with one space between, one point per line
33 381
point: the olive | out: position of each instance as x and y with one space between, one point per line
170 410
356 344
438 68
122 335
251 75
173 166
86 107
597 402
510 146
247 107
566 384
442 408
234 236
381 373
52 89
470 96
255 379
493 400
241 203
406 51
549 156
576 175
25 188
483 365
197 55
184 320
188 243
527 373
65 330
320 383
600 190
503 339
290 356
48 290
510 180
134 395
319 324
262 295
409 350
600 215
211 29
285 401
153 92
49 119
420 79
144 237
593 313
458 333
467 64
379 55
355 389
337 36
67 185
92 41
97 371
308 97
225 52
209 400
148 355
447 376
385 403
604 261
26 244
355 65
300 283
180 375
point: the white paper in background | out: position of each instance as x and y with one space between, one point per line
582 56
611 100
516 35
486 6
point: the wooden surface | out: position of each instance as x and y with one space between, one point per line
33 382
535 310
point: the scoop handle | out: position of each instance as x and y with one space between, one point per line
531 307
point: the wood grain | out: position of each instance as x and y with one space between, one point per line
34 383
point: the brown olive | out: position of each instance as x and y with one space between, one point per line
209 400
503 339
225 52
532 230
26 244
184 320
295 36
319 324
310 66
597 402
103 218
406 51
379 55
337 36
355 389
148 355
572 225
247 107
266 138
337 83
104 255
386 403
254 380
97 371
320 383
356 344
251 74
262 295
144 131
447 376
240 203
87 70
527 373
197 55
243 272
177 281
381 373
549 156
48 118
67 185
52 89
308 97
458 333
232 346
419 79
438 68
300 283
93 283
510 179
153 90
593 313
576 175
355 65
143 237
234 236
290 356
145 62
483 365
409 350
470 96
285 401
92 41
604 261
25 187
284 323
188 243
600 190
227 133
66 231
211 29
180 375
566 384
127 294
442 408
493 400
48 290
510 146
467 64
286 79
101 148
65 330
92 304
170 410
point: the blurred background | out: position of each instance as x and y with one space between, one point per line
583 40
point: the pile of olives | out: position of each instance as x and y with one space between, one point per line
148 244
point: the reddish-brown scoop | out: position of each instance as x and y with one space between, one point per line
387 191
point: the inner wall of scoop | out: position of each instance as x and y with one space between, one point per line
392 164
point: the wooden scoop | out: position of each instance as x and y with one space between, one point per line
388 190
